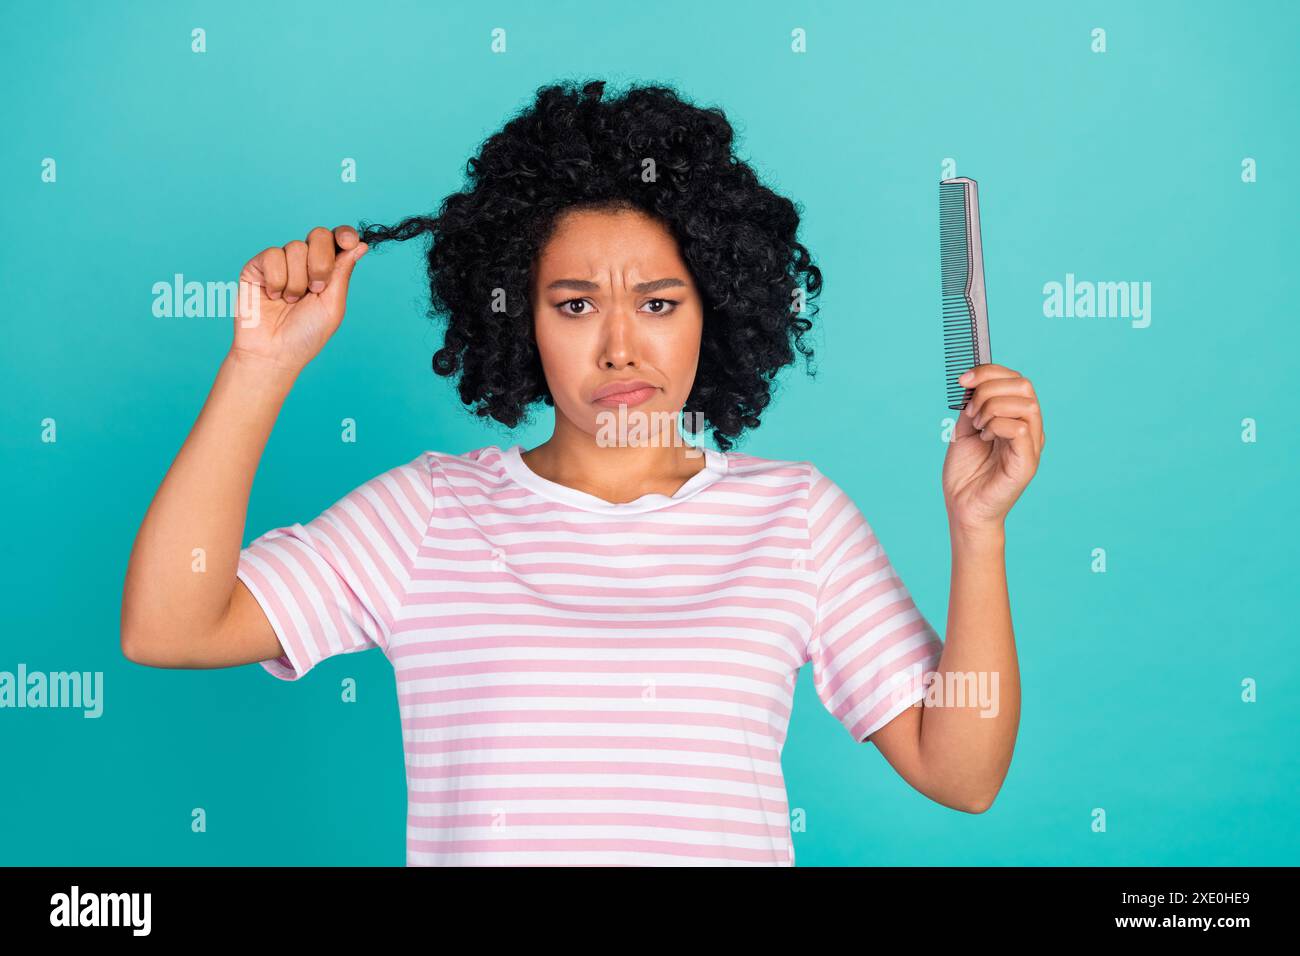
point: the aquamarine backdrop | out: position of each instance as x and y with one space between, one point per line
1116 166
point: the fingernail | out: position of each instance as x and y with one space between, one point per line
290 298
317 285
964 378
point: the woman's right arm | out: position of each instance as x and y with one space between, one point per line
186 608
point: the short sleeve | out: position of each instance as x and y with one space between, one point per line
335 585
871 647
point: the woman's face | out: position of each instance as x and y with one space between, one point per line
613 301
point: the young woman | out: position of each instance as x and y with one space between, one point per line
595 641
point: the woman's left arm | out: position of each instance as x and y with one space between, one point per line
957 751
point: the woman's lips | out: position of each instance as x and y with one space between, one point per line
634 397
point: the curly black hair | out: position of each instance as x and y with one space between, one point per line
648 150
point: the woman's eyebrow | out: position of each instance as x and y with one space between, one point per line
585 285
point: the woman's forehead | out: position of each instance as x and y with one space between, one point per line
590 245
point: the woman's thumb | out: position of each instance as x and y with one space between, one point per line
344 262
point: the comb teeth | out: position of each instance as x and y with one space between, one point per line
961 266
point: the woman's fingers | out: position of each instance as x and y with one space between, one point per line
986 372
1006 406
296 268
1001 393
320 258
993 386
295 257
1016 431
268 270
345 237
1012 408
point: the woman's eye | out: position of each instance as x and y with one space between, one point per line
578 302
665 306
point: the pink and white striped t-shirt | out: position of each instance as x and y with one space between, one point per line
589 682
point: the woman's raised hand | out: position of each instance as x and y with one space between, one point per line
292 298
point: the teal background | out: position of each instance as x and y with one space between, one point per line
1122 166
